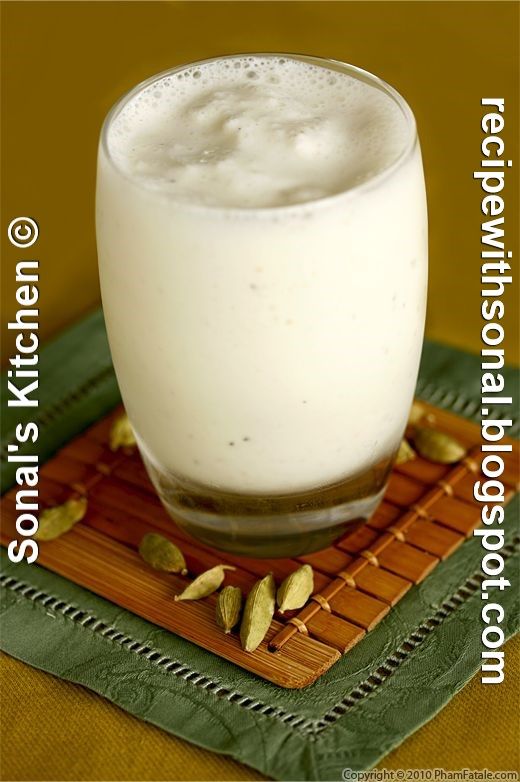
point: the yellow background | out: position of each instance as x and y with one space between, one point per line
64 65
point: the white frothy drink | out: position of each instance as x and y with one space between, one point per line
262 239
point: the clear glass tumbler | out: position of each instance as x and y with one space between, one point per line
267 356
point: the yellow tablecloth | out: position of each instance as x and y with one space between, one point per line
54 730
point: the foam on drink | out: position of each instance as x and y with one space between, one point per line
256 132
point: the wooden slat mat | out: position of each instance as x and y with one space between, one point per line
428 511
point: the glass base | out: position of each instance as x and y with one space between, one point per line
284 525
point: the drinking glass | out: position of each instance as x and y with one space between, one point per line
267 357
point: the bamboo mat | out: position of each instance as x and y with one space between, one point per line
427 513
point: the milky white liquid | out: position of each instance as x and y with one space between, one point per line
263 269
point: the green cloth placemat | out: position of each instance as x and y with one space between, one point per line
396 679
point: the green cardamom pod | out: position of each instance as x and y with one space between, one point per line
405 453
417 412
295 590
258 613
161 554
54 522
438 446
205 584
229 603
121 433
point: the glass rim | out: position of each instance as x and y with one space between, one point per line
324 62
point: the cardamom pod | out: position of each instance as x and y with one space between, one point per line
54 522
258 612
295 590
229 603
438 446
417 412
205 584
161 554
121 433
405 453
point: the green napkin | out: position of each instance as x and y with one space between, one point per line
392 682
